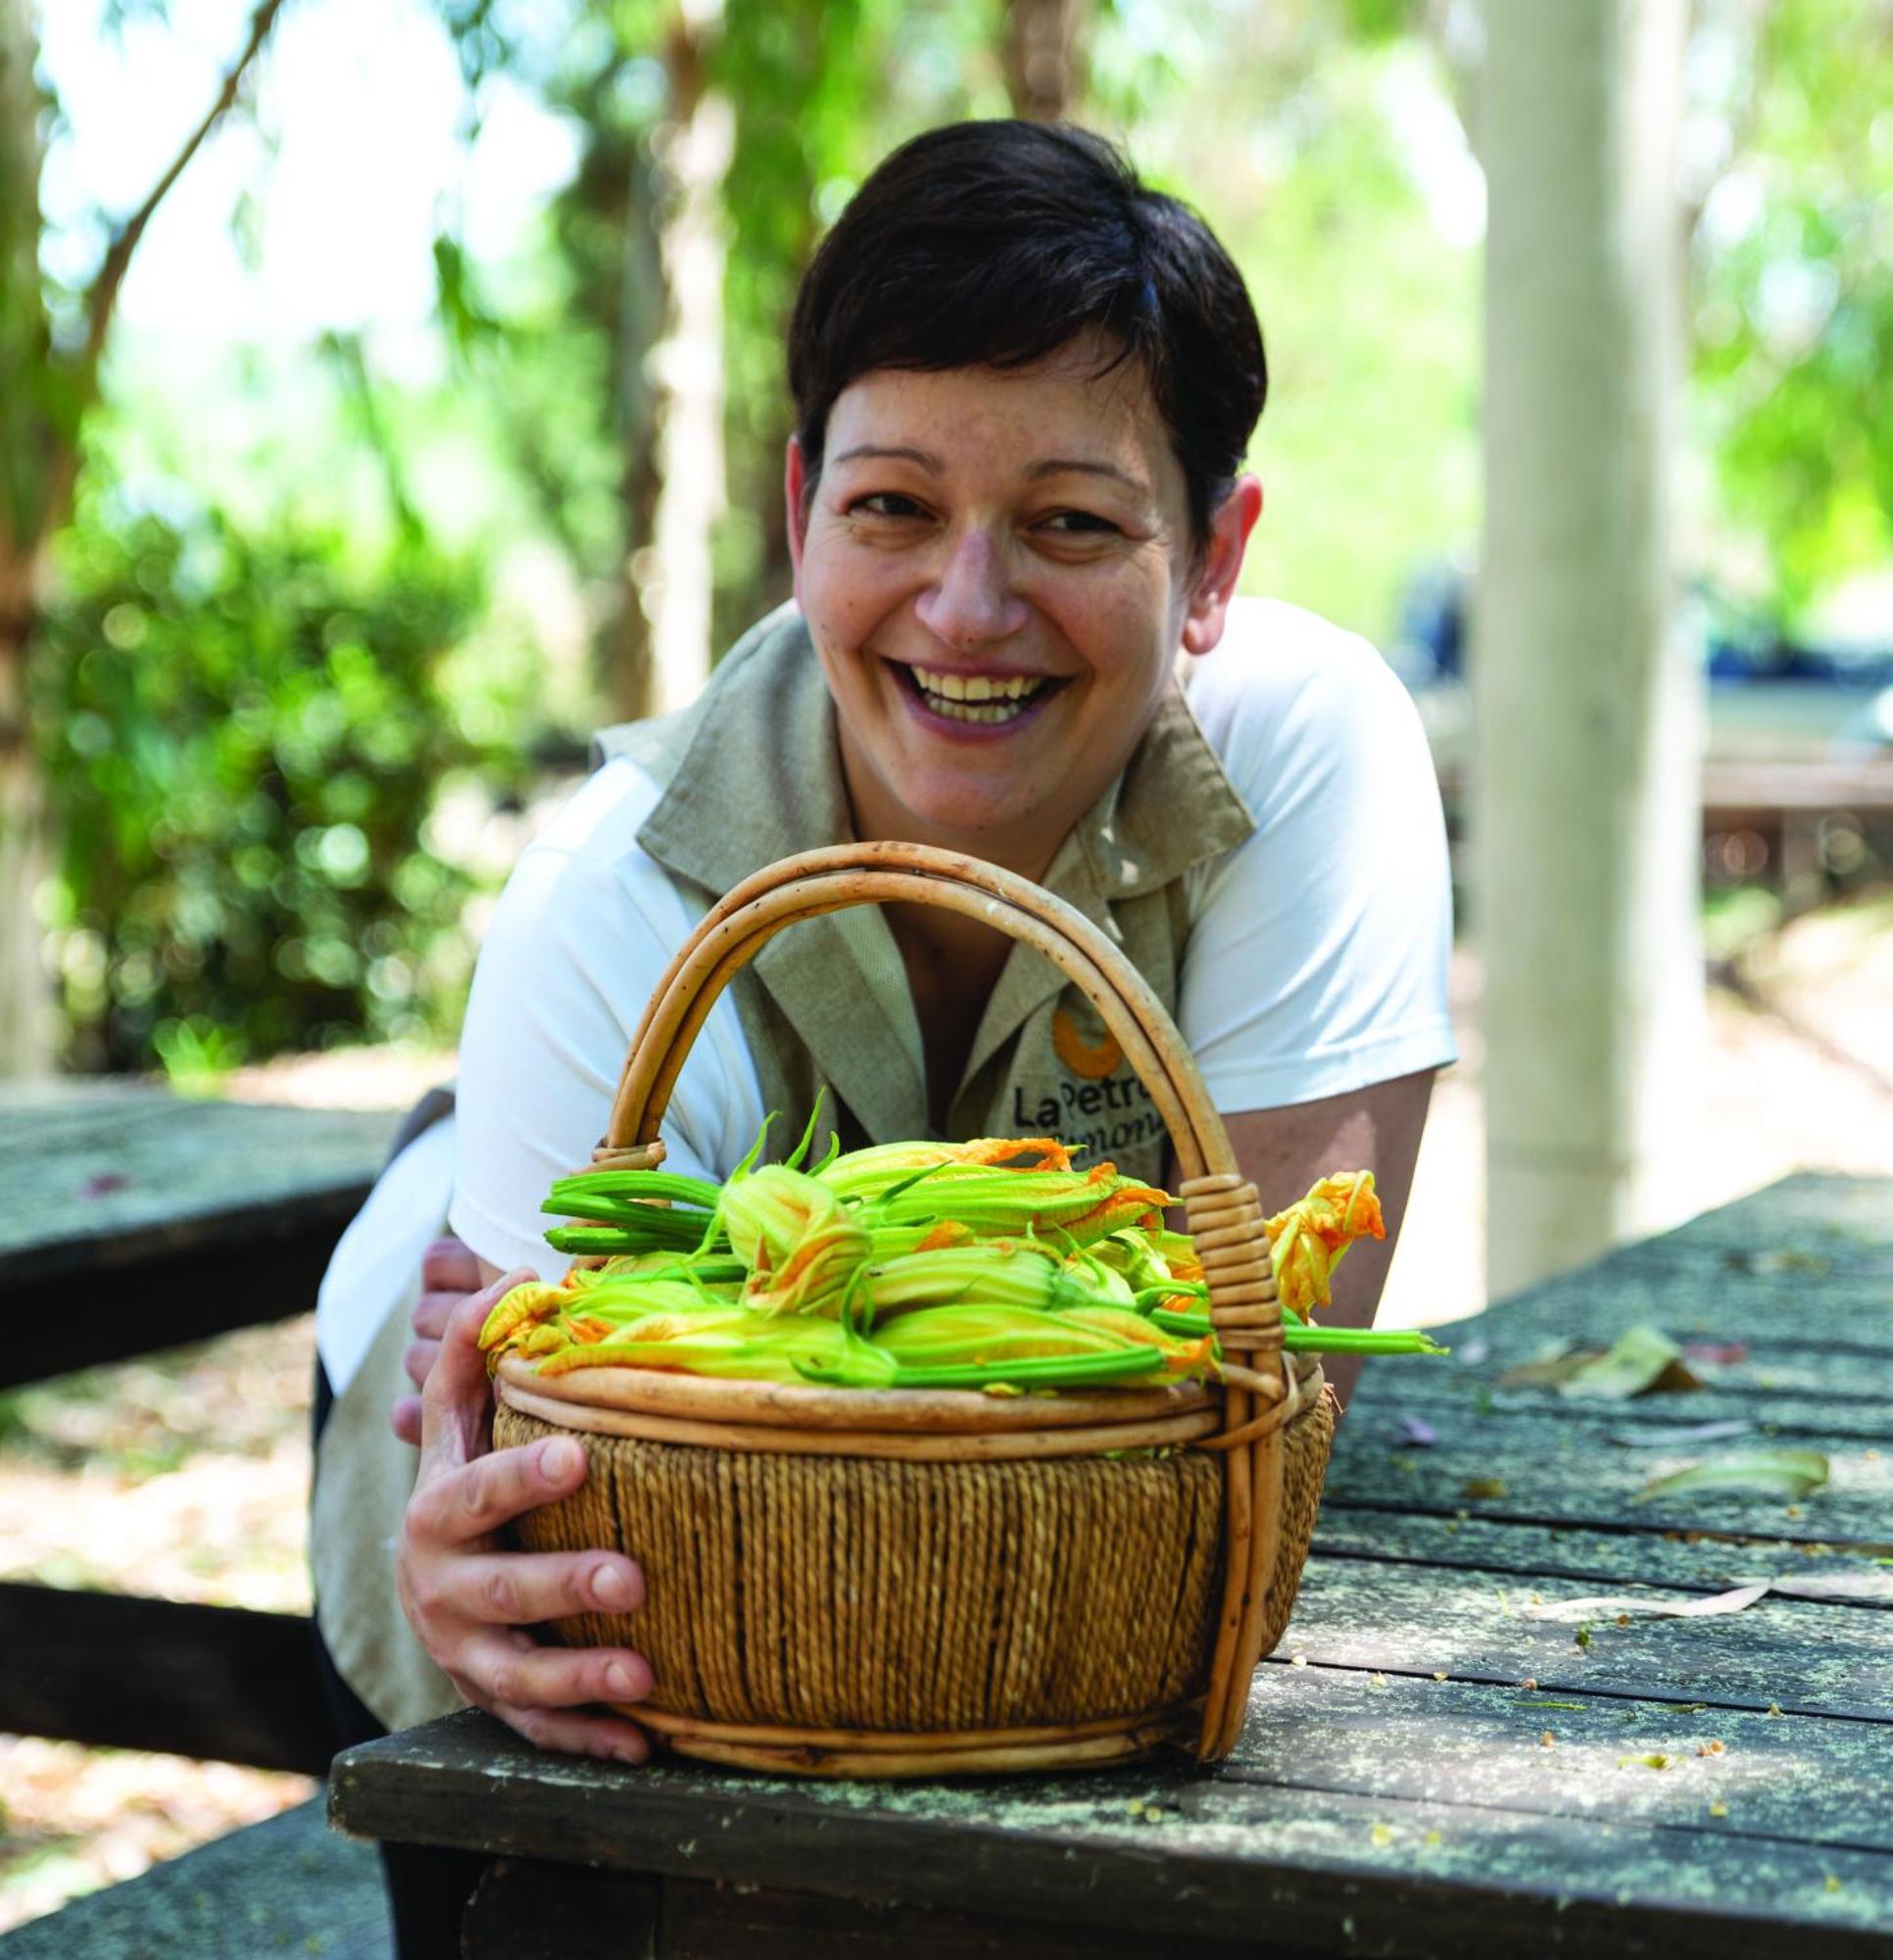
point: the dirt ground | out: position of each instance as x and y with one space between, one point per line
186 1476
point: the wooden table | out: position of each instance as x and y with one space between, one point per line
174 1220
1427 1769
133 1220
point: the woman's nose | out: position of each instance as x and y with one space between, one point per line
972 602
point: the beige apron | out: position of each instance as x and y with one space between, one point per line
750 773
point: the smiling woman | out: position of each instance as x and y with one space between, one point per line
998 569
1024 387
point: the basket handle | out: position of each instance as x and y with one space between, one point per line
1223 1213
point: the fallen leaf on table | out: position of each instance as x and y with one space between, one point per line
1645 1762
1672 1436
1715 1353
1775 1473
1781 1259
1836 1586
1422 1435
1568 1611
1482 1487
1638 1362
103 1182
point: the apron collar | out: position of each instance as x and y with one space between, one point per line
758 778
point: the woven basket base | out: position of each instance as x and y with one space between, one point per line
864 1753
1029 1618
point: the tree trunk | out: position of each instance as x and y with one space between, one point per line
1043 56
1588 716
25 1020
641 321
43 397
27 1032
673 385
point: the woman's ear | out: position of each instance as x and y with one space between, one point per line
795 493
1222 565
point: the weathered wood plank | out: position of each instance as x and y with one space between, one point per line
1220 1857
215 1682
1590 1560
1521 1466
132 1220
1812 1779
1814 1224
1851 1315
1468 1624
1829 1216
287 1885
527 1908
1768 1411
97 1180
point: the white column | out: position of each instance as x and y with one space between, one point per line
1585 818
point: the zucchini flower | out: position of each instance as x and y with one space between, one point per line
870 1172
995 1274
732 1342
802 1246
1309 1240
1075 1207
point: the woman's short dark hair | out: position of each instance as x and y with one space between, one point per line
994 244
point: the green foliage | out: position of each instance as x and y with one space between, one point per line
244 733
1328 189
1794 292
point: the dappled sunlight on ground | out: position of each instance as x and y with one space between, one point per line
76 1819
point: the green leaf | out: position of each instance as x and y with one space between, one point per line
1772 1473
1636 1363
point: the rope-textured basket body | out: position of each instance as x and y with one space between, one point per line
897 1583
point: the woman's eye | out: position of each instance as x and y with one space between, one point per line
1079 523
884 504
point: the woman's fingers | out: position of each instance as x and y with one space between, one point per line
516 1589
454 1403
405 1420
510 1671
433 1310
450 1267
456 1506
419 1360
575 1734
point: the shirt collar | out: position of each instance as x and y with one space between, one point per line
757 777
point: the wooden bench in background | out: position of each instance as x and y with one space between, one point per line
131 1221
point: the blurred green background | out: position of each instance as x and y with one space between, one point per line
329 498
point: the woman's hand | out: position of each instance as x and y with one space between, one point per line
449 1272
469 1602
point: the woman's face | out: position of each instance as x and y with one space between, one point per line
996 571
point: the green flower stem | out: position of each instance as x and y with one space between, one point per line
1299 1338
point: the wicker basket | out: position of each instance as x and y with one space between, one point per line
911 1583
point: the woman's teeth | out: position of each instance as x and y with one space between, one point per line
976 697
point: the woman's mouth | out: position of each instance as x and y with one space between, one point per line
987 700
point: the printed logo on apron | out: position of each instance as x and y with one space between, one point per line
1089 1097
